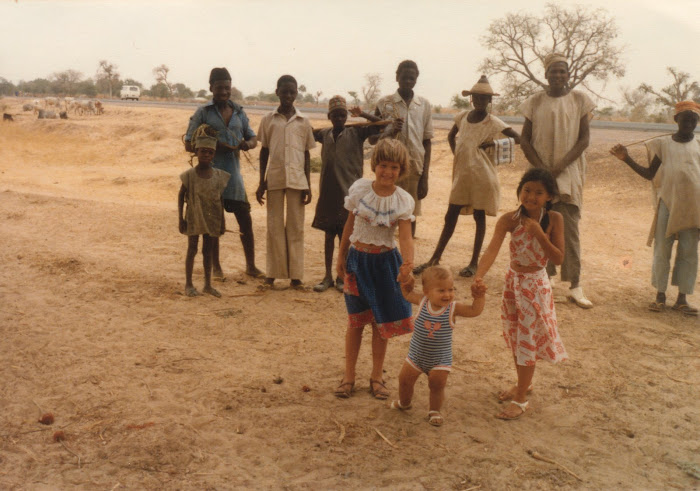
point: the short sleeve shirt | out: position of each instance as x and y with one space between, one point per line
238 129
287 141
418 123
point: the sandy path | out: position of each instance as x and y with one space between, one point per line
157 390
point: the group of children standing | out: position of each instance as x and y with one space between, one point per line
377 278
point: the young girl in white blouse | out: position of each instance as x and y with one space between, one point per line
369 262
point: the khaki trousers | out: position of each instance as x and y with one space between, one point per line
285 234
571 267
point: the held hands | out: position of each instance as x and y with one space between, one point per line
405 277
260 193
479 288
356 111
244 146
620 152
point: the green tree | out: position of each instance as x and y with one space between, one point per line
518 44
202 93
236 95
460 102
6 87
160 90
182 91
66 82
87 87
131 81
36 87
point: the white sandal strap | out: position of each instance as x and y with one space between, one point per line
522 405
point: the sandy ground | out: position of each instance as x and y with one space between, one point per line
157 390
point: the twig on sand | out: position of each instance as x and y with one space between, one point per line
115 486
37 405
680 380
304 300
541 457
473 488
342 431
461 369
254 294
72 452
384 438
480 361
149 388
24 432
148 322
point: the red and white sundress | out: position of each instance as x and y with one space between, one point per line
528 315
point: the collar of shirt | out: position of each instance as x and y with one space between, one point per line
415 100
235 106
296 114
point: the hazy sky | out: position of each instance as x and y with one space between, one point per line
327 45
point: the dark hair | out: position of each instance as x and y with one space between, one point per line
550 185
217 74
407 64
286 79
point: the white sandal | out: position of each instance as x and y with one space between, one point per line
523 406
397 405
576 295
435 418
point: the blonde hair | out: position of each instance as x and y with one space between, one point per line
434 273
390 150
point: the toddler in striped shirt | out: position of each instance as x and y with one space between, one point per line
430 351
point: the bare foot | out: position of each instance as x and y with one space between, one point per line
509 394
191 291
339 285
254 272
211 291
324 285
218 275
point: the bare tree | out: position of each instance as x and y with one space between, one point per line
355 98
637 104
681 89
161 74
318 95
371 92
108 72
518 44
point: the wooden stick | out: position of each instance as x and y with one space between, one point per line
541 457
254 294
361 124
152 319
646 140
384 438
342 431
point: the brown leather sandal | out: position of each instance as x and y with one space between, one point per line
345 390
382 393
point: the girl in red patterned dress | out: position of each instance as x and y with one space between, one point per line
527 313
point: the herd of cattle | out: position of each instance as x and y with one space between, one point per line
55 107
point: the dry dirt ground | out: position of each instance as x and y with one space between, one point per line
155 390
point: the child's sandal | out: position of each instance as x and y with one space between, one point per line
397 405
523 406
435 418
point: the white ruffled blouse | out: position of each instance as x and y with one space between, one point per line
376 217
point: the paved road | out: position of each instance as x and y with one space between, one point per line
440 120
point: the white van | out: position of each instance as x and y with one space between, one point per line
130 92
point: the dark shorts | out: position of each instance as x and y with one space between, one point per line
233 206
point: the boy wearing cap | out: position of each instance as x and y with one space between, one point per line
231 122
555 135
342 159
413 126
201 189
475 186
674 170
285 175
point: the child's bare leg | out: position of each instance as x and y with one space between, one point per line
511 393
207 248
353 340
329 246
379 345
447 230
217 272
437 379
407 382
525 374
480 219
192 241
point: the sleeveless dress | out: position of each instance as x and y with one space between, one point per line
527 313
